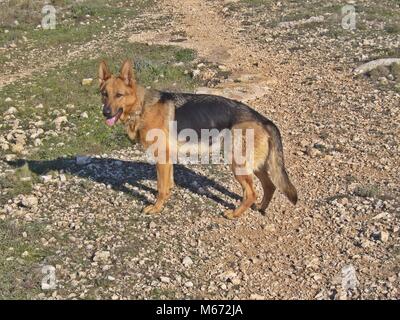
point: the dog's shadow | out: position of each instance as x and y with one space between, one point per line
128 176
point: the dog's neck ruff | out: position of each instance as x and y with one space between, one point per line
135 115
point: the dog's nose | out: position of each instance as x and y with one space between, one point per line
107 111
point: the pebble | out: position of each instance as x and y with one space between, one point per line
87 81
17 148
29 201
83 160
187 262
101 256
11 110
256 296
152 225
165 279
59 121
383 236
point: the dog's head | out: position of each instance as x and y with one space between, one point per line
119 94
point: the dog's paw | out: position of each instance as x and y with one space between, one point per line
230 214
151 209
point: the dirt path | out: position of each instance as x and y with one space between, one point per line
205 31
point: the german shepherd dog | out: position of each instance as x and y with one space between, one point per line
141 110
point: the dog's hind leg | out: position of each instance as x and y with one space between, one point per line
249 196
268 189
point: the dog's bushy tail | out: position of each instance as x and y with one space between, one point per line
276 164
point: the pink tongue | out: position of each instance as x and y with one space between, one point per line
111 122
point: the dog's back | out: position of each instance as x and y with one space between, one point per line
202 111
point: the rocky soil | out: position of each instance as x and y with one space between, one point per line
341 143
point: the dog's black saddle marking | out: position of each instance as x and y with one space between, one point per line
202 111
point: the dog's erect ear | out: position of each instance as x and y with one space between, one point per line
126 73
104 72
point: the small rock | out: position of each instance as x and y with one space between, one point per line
313 152
383 80
187 262
383 236
87 81
59 121
195 73
380 216
189 284
10 157
269 228
165 279
84 115
83 160
37 142
255 296
11 110
29 201
228 275
101 256
4 146
8 99
152 225
17 148
46 179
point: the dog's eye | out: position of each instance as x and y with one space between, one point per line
119 95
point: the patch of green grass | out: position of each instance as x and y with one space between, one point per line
20 276
76 22
19 182
185 55
372 191
393 28
157 294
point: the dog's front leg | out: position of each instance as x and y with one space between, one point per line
164 184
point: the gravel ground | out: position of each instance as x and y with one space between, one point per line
341 142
